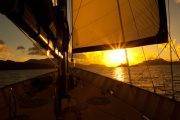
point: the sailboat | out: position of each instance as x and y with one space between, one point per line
60 26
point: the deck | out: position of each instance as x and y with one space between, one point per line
94 97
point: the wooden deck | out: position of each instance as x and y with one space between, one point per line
90 104
94 98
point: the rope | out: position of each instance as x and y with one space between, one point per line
148 68
141 47
172 74
73 24
174 49
75 20
170 46
156 58
123 38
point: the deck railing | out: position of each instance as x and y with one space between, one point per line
11 94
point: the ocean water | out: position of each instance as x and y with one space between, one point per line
155 78
8 77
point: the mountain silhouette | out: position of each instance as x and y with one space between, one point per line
30 64
159 61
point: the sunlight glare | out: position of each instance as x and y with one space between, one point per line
119 74
114 58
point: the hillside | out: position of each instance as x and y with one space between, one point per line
30 64
158 62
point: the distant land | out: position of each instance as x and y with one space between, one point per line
159 61
30 64
148 62
47 64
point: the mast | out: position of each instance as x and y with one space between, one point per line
61 13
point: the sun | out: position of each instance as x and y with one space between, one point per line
114 58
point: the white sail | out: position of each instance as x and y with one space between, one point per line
106 24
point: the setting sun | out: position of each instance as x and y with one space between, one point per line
114 58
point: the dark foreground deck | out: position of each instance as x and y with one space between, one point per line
94 98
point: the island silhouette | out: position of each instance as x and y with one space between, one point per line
29 64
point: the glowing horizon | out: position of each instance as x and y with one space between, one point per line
116 57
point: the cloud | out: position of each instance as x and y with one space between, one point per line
5 52
2 42
35 51
3 47
20 47
177 1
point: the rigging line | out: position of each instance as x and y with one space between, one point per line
135 23
175 50
148 68
169 27
170 46
141 47
146 15
146 7
161 50
150 2
156 58
164 84
75 20
149 18
73 24
172 74
134 19
156 39
174 47
87 3
96 20
152 18
123 37
55 65
99 18
156 3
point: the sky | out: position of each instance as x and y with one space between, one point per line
175 19
14 45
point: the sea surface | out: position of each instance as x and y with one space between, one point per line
8 77
155 78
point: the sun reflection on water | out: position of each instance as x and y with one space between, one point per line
119 74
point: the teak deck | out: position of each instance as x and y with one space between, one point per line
94 98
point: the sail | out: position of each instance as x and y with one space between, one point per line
111 24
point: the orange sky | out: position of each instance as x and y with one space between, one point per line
117 57
13 38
